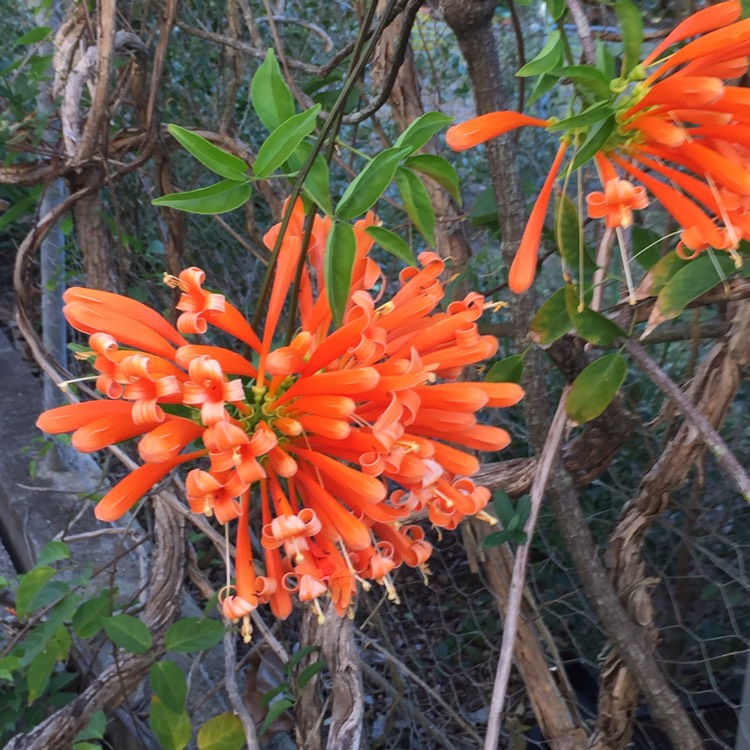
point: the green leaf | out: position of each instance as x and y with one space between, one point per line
421 130
503 506
297 657
646 244
272 100
172 730
52 552
631 26
484 210
341 247
508 370
308 673
39 672
40 669
31 584
392 243
18 209
523 509
496 538
284 141
439 169
94 730
694 279
592 326
605 62
317 183
595 388
370 184
547 59
556 8
589 116
222 732
659 274
417 203
224 164
169 685
594 141
544 83
88 618
587 76
216 199
568 234
34 35
276 709
194 634
551 320
128 632
87 746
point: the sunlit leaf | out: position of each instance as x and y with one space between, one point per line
222 732
173 730
595 388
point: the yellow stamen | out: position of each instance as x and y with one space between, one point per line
173 282
319 612
247 629
484 516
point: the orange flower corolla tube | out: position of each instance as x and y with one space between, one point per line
523 268
486 127
711 18
686 113
124 495
339 434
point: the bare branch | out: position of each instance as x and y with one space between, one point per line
515 594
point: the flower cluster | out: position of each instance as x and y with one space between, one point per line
340 435
681 132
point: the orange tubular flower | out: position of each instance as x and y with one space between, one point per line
322 429
685 113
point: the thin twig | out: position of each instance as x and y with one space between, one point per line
711 437
233 691
515 593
